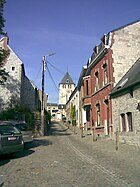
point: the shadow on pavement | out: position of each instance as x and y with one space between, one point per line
4 159
37 142
56 130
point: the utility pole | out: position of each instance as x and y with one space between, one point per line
42 101
43 127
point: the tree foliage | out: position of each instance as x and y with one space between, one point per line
3 53
73 114
2 20
18 113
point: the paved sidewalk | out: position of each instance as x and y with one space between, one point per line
88 138
124 162
106 144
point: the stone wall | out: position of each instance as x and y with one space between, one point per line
124 104
11 90
126 49
65 90
28 94
17 89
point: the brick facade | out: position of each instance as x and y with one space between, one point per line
110 60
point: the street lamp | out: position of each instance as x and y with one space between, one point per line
44 61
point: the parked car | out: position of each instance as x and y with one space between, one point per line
26 132
11 139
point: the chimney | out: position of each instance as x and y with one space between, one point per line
6 41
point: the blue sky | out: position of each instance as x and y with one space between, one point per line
70 28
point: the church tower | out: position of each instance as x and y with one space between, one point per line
66 87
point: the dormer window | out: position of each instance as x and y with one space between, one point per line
92 56
122 83
96 49
89 61
104 39
67 81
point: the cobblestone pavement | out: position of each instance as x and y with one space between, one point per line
63 159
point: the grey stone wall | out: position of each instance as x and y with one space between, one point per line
126 49
17 89
11 90
28 94
124 104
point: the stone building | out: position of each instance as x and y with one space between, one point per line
32 96
110 60
18 89
126 106
73 100
53 109
10 91
66 87
82 113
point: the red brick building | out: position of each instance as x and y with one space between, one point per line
109 62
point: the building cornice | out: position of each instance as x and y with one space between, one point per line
97 59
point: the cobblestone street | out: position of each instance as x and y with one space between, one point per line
64 159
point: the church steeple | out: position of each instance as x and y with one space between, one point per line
67 79
66 87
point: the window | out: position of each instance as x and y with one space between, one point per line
13 68
87 87
67 80
98 114
129 119
97 81
104 39
123 122
122 83
95 49
105 74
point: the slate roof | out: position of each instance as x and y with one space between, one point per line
80 81
67 79
129 80
126 25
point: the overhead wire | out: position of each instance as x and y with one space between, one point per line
52 79
39 72
52 76
55 67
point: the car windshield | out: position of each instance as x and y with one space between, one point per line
22 126
8 129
